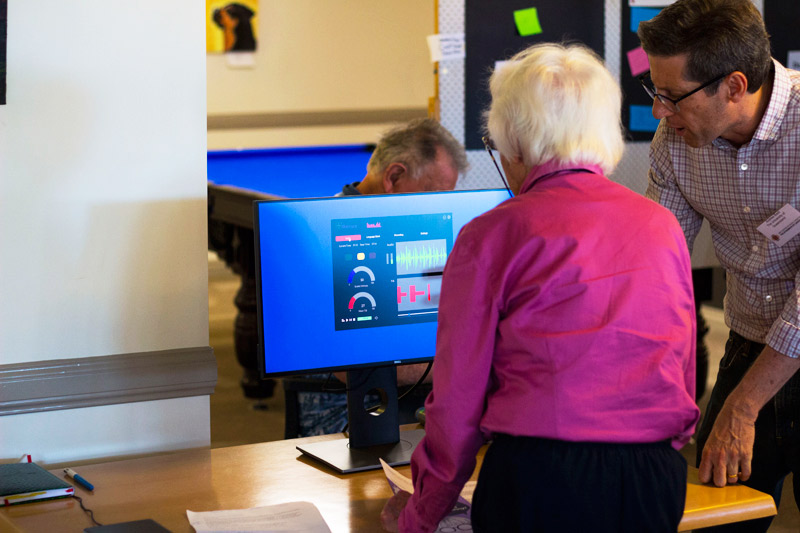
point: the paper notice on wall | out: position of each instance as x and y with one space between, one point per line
641 14
527 21
444 46
640 118
499 65
240 59
638 61
793 60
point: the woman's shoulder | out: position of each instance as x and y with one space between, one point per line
499 216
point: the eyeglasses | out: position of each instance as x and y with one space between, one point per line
489 145
670 103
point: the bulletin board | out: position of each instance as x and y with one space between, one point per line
608 27
495 31
462 101
637 116
492 32
781 18
491 35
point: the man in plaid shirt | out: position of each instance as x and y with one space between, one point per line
728 150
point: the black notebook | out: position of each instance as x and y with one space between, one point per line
27 482
137 526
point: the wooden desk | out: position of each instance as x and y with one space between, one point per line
163 487
710 506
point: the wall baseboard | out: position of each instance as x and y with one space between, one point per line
302 119
105 380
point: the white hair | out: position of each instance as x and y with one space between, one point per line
556 102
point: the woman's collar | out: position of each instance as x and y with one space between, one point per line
554 167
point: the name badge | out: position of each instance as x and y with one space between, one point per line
781 226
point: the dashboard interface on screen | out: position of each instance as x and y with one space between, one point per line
388 270
354 281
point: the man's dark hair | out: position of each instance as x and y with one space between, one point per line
718 36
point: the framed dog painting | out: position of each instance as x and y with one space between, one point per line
231 25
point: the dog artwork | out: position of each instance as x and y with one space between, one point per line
235 20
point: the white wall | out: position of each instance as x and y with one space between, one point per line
103 209
331 55
336 55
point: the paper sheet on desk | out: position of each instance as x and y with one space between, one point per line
457 520
283 518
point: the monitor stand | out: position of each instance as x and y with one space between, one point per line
374 434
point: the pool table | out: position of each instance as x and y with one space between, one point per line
235 180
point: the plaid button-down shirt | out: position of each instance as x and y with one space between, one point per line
736 190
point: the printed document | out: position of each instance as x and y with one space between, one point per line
284 518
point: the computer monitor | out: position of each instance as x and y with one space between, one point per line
352 284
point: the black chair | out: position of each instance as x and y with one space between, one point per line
291 386
295 384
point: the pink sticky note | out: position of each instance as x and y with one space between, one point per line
637 61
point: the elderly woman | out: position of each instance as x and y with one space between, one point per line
566 328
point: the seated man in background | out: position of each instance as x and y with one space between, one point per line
420 156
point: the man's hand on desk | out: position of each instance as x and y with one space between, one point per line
729 449
391 511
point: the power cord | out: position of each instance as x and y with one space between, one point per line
87 511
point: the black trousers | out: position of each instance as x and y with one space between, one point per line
776 450
541 485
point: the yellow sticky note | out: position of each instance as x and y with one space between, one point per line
527 21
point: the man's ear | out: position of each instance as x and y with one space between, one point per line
737 86
393 173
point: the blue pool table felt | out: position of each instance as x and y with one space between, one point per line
304 172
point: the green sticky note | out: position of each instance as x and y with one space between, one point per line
527 21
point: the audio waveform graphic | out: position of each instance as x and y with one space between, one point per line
419 257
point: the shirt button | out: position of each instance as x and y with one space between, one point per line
754 248
768 297
746 209
744 166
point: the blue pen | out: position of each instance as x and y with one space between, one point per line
78 479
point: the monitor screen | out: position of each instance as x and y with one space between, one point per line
352 282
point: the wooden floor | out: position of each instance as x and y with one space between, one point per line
237 420
234 418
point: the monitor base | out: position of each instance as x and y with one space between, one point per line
338 455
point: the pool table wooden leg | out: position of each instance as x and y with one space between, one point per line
235 245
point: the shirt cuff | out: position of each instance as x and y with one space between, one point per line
784 337
411 522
